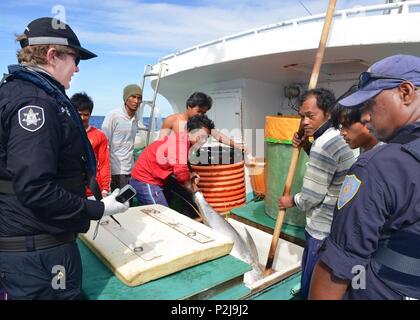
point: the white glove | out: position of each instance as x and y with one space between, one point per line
112 206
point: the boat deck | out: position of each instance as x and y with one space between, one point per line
219 279
253 213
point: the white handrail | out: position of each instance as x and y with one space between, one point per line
404 6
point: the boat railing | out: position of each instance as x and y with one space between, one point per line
388 8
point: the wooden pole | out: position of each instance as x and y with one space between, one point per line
296 151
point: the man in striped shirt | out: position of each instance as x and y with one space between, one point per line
329 159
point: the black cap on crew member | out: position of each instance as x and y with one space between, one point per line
50 31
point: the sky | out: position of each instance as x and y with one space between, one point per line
129 34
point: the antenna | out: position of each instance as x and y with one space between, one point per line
305 8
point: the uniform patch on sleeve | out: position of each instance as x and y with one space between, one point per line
31 118
348 190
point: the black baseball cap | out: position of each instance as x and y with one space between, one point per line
50 31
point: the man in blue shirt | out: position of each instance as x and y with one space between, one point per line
372 250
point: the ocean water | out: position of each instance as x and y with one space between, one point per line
96 121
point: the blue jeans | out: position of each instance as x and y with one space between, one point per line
149 193
309 259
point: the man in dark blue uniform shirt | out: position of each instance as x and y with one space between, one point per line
373 249
45 162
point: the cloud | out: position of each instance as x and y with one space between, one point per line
167 26
129 27
141 32
172 27
134 53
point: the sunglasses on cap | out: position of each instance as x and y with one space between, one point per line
366 77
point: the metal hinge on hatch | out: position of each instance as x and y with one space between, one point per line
143 250
185 230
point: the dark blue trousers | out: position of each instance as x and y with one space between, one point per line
309 259
154 194
149 193
48 274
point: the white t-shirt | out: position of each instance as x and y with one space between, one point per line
120 130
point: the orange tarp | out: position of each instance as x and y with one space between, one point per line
280 129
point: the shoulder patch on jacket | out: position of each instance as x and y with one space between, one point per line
348 190
31 118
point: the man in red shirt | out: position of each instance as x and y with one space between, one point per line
168 157
84 104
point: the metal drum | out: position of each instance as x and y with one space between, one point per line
222 177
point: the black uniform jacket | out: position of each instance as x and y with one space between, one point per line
41 154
